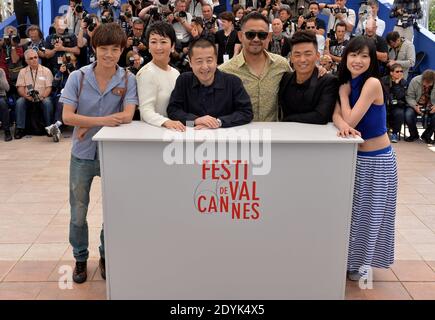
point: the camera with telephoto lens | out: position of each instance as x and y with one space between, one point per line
91 25
136 41
105 4
426 108
181 14
11 38
237 24
34 94
69 66
39 47
65 38
309 15
211 23
336 10
105 19
332 38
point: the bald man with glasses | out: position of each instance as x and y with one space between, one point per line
34 85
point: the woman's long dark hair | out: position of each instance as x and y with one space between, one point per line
358 44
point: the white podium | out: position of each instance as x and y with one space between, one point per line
280 235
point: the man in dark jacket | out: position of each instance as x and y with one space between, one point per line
208 98
303 96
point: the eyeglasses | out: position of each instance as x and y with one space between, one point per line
250 35
398 71
32 58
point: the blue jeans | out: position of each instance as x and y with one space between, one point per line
82 172
21 106
4 113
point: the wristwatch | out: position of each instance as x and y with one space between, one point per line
220 122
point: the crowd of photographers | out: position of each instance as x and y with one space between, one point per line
34 69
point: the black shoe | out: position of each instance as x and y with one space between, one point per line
19 133
80 272
8 136
426 139
103 268
411 138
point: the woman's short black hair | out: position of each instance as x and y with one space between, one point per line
163 29
357 45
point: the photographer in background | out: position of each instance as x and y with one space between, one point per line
368 9
4 108
84 39
126 18
395 91
194 7
200 31
34 87
209 20
339 13
401 51
381 45
313 12
102 5
73 16
11 55
69 65
279 43
135 62
181 21
136 43
57 44
336 42
406 12
35 41
420 98
25 9
288 26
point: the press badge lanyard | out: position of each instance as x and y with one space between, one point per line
34 78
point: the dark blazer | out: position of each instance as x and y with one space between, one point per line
225 99
311 102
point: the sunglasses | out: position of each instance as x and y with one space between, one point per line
32 58
250 35
310 27
398 71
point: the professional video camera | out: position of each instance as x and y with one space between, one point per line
34 94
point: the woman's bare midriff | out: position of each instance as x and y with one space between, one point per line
374 144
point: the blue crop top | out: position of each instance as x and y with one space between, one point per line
374 123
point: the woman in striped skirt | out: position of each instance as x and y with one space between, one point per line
361 111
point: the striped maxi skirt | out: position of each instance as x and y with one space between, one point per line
373 211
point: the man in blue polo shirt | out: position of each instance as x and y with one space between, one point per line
207 97
97 95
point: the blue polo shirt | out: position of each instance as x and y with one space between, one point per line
93 103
